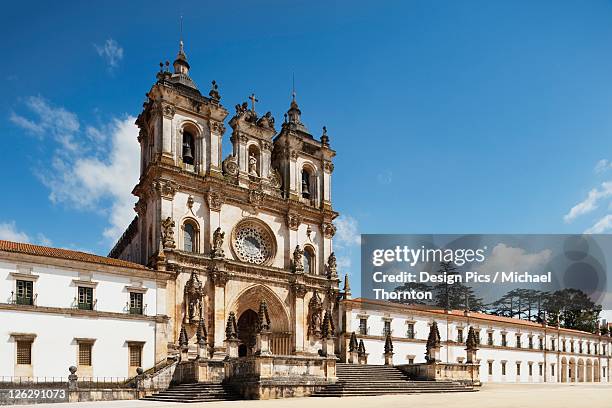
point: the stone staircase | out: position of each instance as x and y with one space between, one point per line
195 392
362 380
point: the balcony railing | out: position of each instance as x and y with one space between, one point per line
135 310
23 300
84 305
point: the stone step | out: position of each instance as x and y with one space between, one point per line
195 392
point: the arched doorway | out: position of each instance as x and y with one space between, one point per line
589 371
563 369
596 372
580 370
572 370
247 331
246 303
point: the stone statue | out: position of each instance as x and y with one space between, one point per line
168 233
266 121
298 261
253 166
332 266
315 308
217 250
193 297
214 91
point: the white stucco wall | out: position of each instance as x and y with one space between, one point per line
405 349
56 324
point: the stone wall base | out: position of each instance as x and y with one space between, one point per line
277 388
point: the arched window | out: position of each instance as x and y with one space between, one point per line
188 147
306 184
309 261
190 237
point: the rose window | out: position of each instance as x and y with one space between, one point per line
252 244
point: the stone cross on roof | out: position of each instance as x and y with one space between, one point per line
253 100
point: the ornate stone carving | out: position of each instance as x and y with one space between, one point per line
190 202
298 261
183 340
353 344
275 179
214 200
214 92
315 311
293 154
327 327
265 145
166 188
432 353
328 166
252 242
325 138
168 233
361 350
243 112
217 250
217 127
256 198
293 221
266 121
299 289
230 166
168 111
263 324
217 276
329 229
193 297
332 266
388 344
201 333
253 166
231 328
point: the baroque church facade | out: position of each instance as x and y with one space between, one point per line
228 271
256 225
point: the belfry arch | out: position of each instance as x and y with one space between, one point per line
247 302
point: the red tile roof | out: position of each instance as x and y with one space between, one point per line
460 313
38 250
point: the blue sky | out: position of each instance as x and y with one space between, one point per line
447 116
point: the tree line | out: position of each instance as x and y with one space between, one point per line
567 308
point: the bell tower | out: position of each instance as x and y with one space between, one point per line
180 134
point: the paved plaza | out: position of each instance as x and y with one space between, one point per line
490 396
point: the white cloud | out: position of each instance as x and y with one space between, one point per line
91 168
96 183
602 225
602 166
111 52
347 233
590 203
507 258
46 119
9 232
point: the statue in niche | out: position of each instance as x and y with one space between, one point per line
315 308
168 233
298 259
253 166
217 250
193 298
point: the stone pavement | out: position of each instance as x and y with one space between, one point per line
490 396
